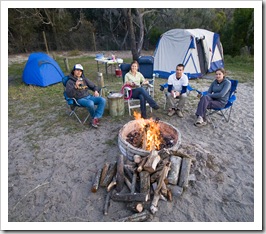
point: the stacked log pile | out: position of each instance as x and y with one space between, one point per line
144 182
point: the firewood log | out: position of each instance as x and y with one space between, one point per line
162 177
96 182
111 185
153 209
128 172
152 161
155 176
145 183
182 155
104 172
128 197
120 173
175 168
107 203
133 183
175 190
138 217
164 189
184 173
137 158
143 161
127 182
135 206
110 174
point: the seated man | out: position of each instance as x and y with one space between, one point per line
79 87
177 91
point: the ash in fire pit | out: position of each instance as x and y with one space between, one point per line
143 135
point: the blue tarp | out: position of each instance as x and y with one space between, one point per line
42 70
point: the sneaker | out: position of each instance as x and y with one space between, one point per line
179 114
171 112
98 121
199 120
94 123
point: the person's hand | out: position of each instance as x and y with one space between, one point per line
199 95
96 94
78 84
145 82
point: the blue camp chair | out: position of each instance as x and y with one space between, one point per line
145 67
72 103
163 88
225 112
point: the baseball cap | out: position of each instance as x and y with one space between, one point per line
78 67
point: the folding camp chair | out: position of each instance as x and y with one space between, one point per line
131 102
72 104
225 112
163 88
134 103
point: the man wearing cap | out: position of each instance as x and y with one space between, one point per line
78 87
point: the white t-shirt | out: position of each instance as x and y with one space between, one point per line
177 84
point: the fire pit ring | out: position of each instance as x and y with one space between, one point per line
129 150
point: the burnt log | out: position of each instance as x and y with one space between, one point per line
104 172
96 182
175 168
120 173
152 161
128 197
109 175
138 217
184 173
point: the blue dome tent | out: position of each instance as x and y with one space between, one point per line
41 70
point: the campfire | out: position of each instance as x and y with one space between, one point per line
149 135
140 136
151 171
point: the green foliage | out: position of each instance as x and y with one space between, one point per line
106 28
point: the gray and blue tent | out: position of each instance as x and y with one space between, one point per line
199 50
41 70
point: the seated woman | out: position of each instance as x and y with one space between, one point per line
78 87
134 79
216 97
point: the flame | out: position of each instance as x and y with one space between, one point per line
151 129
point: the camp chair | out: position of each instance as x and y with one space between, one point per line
225 112
134 103
163 88
131 102
72 103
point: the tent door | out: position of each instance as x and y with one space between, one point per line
202 56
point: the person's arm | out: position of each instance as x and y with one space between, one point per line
91 85
226 87
170 88
184 89
70 88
